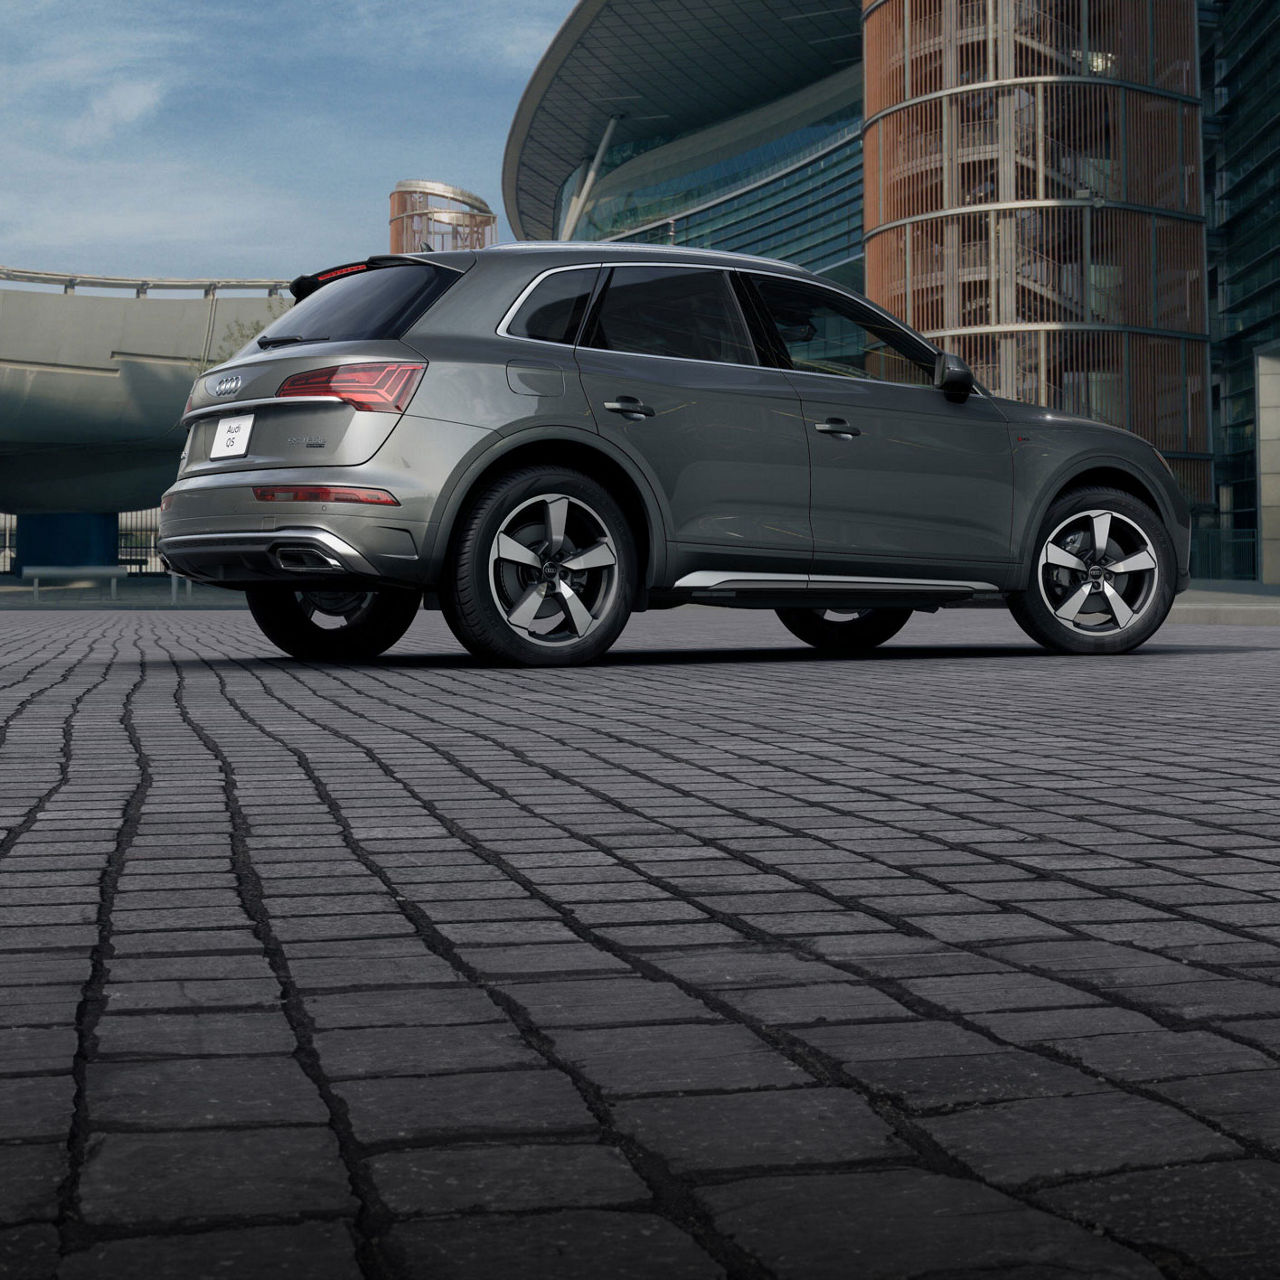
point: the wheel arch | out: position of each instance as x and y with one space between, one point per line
1109 473
581 451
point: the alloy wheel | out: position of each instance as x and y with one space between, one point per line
1098 572
553 569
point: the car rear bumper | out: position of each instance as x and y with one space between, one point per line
241 558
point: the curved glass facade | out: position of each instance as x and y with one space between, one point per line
784 180
1038 203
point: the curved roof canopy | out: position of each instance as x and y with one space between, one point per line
666 67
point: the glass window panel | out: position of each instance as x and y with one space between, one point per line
824 333
672 311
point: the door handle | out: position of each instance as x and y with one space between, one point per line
837 427
629 407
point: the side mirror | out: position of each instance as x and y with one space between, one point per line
952 377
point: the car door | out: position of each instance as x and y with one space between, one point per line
673 378
904 480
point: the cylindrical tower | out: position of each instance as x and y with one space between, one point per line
433 216
1034 202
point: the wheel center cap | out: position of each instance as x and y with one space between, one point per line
1095 573
551 571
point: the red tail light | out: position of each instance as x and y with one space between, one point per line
378 387
322 493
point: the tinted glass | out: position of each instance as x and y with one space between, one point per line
378 303
553 311
822 333
671 311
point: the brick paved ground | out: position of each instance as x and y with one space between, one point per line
714 960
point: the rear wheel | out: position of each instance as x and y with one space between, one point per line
544 570
844 631
333 625
1103 577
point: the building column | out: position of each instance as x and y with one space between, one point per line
1268 427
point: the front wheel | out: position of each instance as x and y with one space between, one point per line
844 631
1103 577
333 626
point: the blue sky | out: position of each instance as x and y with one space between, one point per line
227 138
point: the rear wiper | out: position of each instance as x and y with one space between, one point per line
285 338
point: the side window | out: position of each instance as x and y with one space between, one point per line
553 311
822 333
671 311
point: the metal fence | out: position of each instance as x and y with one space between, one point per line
1230 554
137 541
8 535
135 544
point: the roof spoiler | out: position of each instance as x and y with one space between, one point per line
305 286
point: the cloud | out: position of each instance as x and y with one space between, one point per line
120 104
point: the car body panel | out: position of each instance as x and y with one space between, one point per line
925 483
725 445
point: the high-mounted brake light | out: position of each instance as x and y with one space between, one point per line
322 493
377 386
324 276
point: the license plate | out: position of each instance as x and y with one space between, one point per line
231 439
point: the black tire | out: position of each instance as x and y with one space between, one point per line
352 624
485 593
1119 611
841 634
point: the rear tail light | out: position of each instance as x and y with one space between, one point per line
378 387
322 493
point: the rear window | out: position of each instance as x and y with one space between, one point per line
553 311
379 303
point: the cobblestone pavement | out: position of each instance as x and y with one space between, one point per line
717 959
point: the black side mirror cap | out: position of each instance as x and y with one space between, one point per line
952 377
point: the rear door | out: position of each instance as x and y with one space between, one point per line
673 379
904 480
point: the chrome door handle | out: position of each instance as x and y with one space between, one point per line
629 407
837 427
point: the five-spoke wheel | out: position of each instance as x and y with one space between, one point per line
543 572
1103 576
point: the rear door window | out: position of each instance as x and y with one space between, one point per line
553 311
378 303
689 313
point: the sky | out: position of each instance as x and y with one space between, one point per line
224 138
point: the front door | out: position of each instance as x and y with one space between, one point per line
904 481
673 379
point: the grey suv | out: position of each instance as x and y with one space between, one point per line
540 439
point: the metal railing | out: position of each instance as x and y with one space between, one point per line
1225 554
68 283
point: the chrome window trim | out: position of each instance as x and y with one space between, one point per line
812 281
502 330
708 579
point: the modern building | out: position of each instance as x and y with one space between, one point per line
728 124
94 371
1035 203
1240 51
1022 180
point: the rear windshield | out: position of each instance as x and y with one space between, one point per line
379 303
